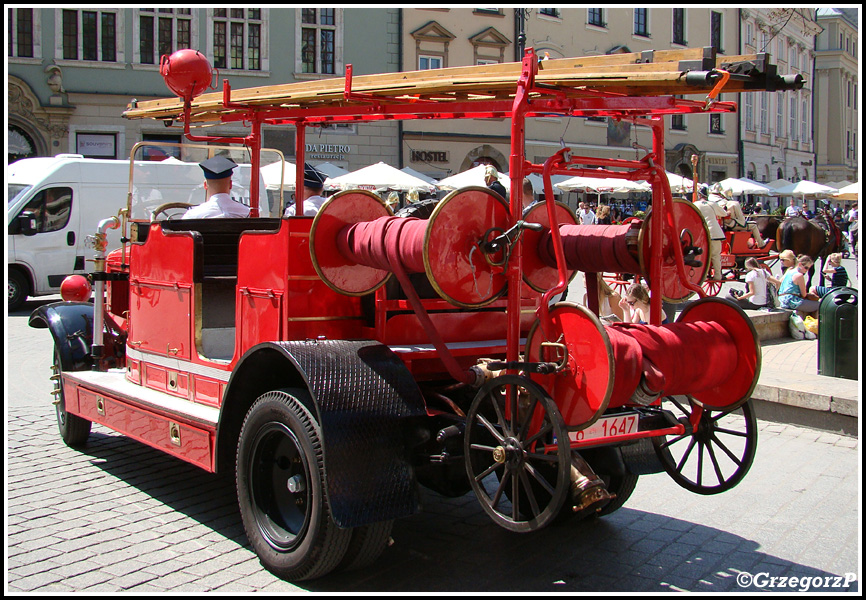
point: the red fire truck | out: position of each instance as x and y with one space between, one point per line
336 363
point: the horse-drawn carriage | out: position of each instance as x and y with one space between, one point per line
277 348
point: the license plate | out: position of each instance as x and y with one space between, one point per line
606 427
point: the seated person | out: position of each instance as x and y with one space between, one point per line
757 280
837 274
793 294
218 182
314 186
636 305
735 220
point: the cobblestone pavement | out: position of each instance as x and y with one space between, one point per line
118 516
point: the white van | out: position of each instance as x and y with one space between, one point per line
54 203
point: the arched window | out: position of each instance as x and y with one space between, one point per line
20 146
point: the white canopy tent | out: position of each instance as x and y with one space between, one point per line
602 185
744 186
271 175
805 188
848 193
472 177
380 177
776 184
419 175
331 170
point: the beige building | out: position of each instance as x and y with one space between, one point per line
776 128
836 92
463 36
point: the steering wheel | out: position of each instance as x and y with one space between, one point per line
168 206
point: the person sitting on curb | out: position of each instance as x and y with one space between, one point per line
793 294
836 272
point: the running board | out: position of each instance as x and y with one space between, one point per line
173 425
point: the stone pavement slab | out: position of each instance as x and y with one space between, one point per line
795 514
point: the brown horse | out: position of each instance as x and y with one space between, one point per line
767 225
818 238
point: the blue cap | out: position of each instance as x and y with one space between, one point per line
313 178
218 167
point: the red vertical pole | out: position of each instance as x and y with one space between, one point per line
255 145
516 168
658 222
300 140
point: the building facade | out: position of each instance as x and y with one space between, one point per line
836 92
440 37
72 72
777 128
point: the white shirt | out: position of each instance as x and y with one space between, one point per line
218 206
760 280
712 212
792 211
588 218
311 207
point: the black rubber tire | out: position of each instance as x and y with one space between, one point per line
74 430
18 288
622 487
367 544
291 531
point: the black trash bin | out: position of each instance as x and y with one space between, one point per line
837 334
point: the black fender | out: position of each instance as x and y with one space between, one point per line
71 326
367 404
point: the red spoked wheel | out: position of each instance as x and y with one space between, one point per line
713 456
619 282
712 287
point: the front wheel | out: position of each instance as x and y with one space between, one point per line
281 489
73 429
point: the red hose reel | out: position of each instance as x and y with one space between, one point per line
711 354
356 243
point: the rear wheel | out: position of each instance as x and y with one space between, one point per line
281 489
18 288
367 544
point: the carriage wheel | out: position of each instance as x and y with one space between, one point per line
515 432
619 282
716 455
712 287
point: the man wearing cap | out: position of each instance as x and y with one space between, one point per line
314 185
735 220
218 183
491 180
712 212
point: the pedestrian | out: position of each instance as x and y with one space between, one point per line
314 186
852 219
836 272
491 180
712 212
602 215
585 214
528 199
793 210
218 183
793 293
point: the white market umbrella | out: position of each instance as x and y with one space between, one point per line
271 175
602 185
849 192
838 184
806 188
744 185
419 175
538 183
472 177
778 184
380 177
331 170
